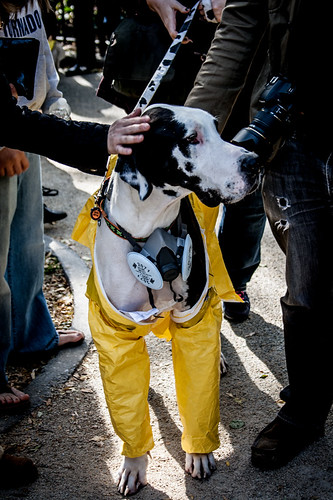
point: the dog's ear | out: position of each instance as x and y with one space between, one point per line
127 169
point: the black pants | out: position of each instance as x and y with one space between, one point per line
84 32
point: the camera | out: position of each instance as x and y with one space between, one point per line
18 62
272 122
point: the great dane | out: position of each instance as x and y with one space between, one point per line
147 195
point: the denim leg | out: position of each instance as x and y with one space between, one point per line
8 192
240 234
297 192
32 326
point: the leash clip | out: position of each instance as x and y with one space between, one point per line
103 192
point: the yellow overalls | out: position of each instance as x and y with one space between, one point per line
123 356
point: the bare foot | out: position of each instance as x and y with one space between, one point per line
132 474
70 337
200 465
12 396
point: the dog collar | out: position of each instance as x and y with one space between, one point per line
97 212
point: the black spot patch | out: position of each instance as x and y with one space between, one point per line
154 156
143 102
174 48
185 26
210 15
170 192
154 159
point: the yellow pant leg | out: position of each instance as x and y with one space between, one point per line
196 358
125 371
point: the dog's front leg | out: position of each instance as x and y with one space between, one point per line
132 474
223 365
200 465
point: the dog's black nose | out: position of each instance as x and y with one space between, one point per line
250 164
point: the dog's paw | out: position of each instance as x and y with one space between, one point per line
132 474
200 465
223 365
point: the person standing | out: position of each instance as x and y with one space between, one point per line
297 194
25 322
84 31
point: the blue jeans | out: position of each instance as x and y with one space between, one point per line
240 234
25 322
298 199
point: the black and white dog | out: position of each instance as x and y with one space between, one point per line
181 153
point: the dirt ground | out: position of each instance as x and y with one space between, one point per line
70 436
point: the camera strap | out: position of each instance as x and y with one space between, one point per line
294 8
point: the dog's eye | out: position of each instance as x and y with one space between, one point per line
193 138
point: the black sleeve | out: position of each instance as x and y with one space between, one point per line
82 145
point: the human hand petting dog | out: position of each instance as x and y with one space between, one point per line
127 130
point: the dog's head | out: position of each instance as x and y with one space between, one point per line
183 152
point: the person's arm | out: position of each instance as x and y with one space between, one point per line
224 72
83 145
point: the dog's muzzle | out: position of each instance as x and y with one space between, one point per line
251 166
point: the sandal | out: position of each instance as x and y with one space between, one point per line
49 191
12 407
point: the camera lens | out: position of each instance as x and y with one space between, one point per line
263 132
271 123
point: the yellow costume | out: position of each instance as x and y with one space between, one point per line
123 356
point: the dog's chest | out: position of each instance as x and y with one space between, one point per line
126 293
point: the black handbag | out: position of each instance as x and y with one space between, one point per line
18 61
135 51
137 47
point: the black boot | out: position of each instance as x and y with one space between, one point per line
237 311
52 215
280 442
